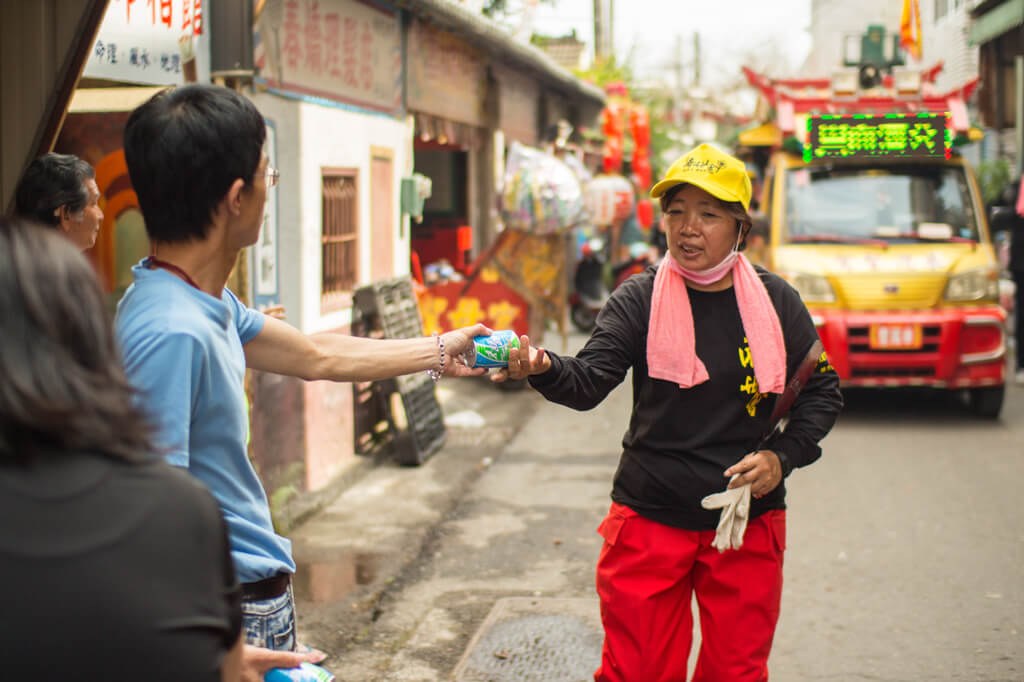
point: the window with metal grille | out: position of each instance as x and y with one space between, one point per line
340 230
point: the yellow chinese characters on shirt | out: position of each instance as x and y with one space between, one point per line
749 385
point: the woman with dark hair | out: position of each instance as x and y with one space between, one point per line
60 190
116 566
712 343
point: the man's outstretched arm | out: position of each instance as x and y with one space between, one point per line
282 349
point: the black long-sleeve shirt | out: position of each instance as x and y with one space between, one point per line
680 441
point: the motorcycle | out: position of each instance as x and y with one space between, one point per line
589 289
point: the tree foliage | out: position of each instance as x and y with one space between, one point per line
501 9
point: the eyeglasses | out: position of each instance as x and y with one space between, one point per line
272 175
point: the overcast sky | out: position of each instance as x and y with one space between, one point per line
729 29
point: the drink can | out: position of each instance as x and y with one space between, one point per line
306 672
491 351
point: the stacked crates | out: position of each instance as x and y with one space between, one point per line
411 425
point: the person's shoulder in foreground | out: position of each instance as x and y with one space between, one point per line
97 530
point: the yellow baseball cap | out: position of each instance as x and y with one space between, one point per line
714 171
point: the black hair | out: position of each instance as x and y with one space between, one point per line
184 147
733 208
50 182
64 388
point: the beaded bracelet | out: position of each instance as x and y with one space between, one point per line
435 374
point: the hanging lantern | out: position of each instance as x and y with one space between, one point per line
611 120
612 155
640 124
645 213
608 198
642 170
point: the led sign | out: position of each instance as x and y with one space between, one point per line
863 136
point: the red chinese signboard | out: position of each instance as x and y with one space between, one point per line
342 50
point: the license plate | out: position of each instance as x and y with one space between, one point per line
895 336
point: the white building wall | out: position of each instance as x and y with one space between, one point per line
833 20
945 39
311 137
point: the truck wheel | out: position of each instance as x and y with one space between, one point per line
986 402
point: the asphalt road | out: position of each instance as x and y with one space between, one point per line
905 556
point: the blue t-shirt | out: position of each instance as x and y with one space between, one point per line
182 350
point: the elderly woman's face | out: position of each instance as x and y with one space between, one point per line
699 231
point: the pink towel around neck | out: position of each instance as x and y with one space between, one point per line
671 341
1020 198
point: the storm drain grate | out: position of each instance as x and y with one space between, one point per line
540 640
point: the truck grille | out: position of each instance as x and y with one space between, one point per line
899 291
892 372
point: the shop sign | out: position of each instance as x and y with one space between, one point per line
342 50
446 77
151 42
517 106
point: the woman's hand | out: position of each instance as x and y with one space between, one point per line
523 362
456 342
277 311
761 469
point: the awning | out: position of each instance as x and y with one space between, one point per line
764 135
997 21
46 43
103 100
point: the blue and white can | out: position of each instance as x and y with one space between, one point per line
491 351
306 672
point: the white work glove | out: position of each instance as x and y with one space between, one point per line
732 524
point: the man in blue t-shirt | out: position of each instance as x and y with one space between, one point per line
195 159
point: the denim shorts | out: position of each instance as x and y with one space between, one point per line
270 623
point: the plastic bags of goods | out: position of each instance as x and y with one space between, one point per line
541 193
608 198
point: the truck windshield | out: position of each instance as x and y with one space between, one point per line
885 205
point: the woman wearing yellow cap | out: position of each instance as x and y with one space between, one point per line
696 508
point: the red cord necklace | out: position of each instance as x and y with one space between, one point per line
153 262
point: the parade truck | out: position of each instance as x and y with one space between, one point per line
869 211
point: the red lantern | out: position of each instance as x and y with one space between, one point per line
611 120
612 156
640 122
642 170
645 213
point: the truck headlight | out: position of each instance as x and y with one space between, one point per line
812 288
974 285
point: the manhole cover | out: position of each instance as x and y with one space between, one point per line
550 640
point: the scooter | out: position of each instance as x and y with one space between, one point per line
638 260
589 291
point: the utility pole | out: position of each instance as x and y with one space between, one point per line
603 23
609 34
677 104
696 59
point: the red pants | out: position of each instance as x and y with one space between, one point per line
645 578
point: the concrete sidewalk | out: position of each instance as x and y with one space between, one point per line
355 547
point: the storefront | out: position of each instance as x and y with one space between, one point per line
446 88
329 84
996 29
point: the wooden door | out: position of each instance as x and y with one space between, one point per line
382 214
